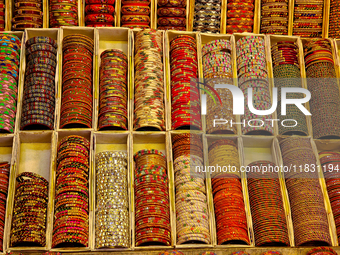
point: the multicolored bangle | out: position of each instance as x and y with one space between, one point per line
63 13
139 9
329 162
308 211
334 26
34 116
217 67
207 16
322 250
76 100
320 64
286 70
9 75
30 210
27 16
230 215
152 212
149 88
171 18
308 18
240 15
183 64
274 17
192 215
71 225
250 52
269 213
113 113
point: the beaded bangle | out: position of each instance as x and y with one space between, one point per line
72 194
303 25
258 184
190 190
250 51
320 64
26 225
151 179
149 102
304 192
39 65
77 64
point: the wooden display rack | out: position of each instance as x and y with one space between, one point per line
36 151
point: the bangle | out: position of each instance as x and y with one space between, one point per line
27 15
72 192
151 208
26 224
4 178
111 211
149 103
181 116
39 66
77 64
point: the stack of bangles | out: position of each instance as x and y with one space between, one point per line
39 89
266 204
136 14
322 251
240 16
76 100
286 71
218 69
113 94
185 97
330 162
10 46
4 181
192 214
334 24
274 18
308 16
171 15
306 199
2 15
71 209
27 14
207 16
324 103
63 13
29 211
230 213
152 208
112 201
99 13
171 252
252 73
149 112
